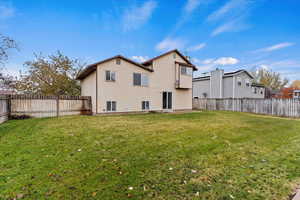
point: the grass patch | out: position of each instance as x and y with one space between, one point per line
200 155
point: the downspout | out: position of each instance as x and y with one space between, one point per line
221 85
96 90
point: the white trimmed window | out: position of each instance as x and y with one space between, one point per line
247 82
140 79
111 106
145 105
110 76
186 71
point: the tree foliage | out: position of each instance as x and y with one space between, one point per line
270 79
6 44
296 84
51 75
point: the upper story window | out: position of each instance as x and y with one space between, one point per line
118 61
110 76
140 79
186 70
247 82
239 81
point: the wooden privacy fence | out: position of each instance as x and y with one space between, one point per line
276 107
16 106
4 109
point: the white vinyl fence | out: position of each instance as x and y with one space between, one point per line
276 107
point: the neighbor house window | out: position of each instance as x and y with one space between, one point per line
110 76
118 61
239 81
111 106
255 90
247 83
186 70
145 105
140 79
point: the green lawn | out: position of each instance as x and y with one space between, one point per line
200 155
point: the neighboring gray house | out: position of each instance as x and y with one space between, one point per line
238 84
296 94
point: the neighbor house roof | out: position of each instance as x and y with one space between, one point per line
149 62
228 74
91 68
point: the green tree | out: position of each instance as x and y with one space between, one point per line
270 79
296 84
51 75
6 44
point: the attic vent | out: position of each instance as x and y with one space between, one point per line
118 61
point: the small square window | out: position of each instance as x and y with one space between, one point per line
118 61
145 105
174 55
111 106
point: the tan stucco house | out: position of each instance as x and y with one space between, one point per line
118 84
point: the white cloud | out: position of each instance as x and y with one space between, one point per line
197 47
275 47
7 11
231 26
135 16
168 44
191 5
226 61
232 16
232 7
217 61
209 64
140 58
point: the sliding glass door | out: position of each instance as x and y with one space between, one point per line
167 100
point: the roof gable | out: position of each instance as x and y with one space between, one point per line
149 62
91 68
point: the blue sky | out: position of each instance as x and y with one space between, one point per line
229 34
